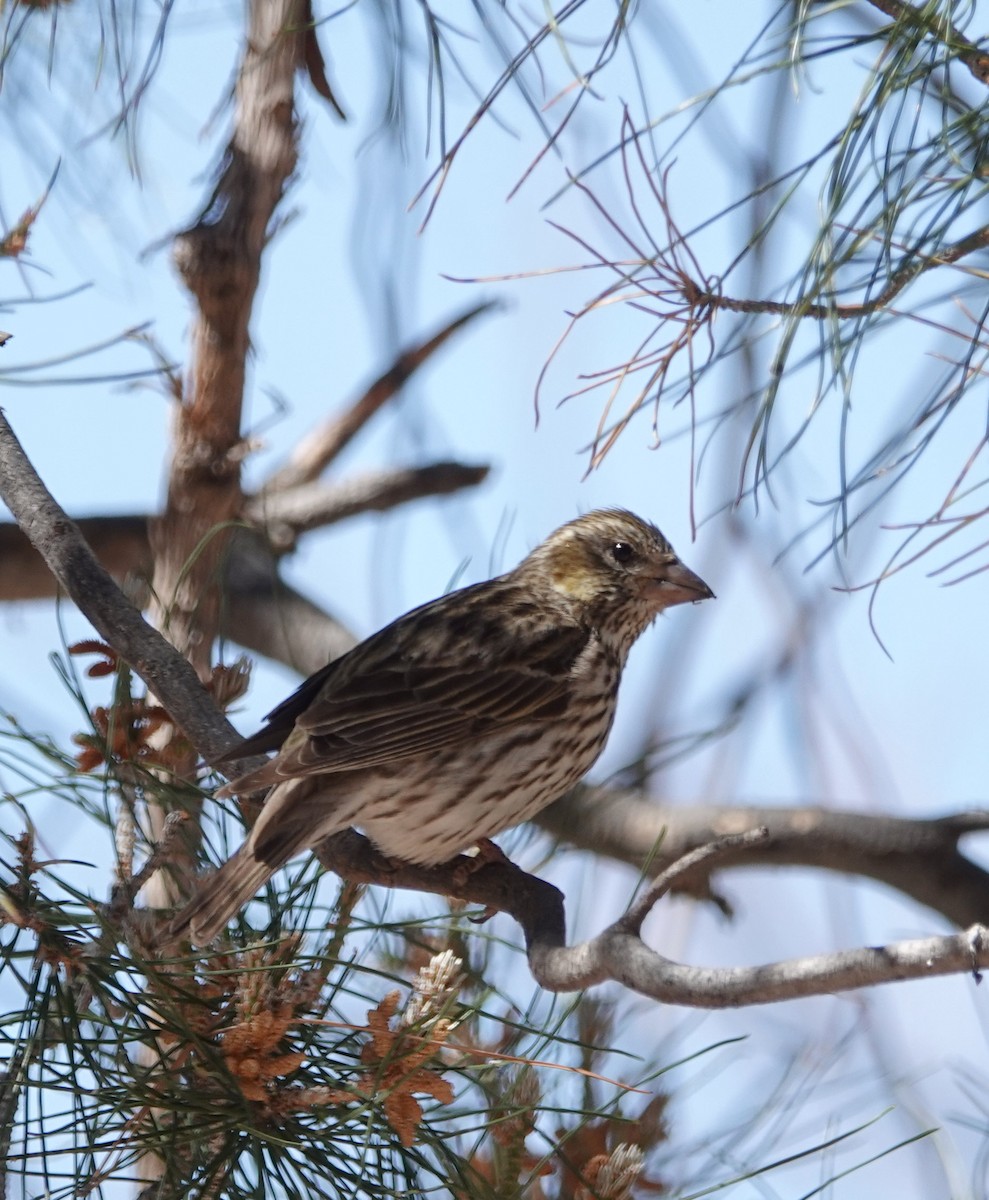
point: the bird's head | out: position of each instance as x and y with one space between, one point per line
618 569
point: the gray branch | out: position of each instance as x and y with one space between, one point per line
285 515
619 954
59 542
622 956
919 857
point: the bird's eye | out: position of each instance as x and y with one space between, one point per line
622 552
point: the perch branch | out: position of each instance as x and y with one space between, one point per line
619 953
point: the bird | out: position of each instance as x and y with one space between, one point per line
460 719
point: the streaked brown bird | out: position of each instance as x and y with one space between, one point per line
460 719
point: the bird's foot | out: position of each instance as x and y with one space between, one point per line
485 853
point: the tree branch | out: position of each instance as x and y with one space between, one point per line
219 259
285 515
968 52
58 540
122 543
321 446
618 954
260 611
623 957
702 296
119 543
919 858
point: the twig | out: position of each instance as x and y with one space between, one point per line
10 1090
968 52
904 275
733 843
318 449
284 515
125 893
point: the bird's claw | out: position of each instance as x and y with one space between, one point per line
469 864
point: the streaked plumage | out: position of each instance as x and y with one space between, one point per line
460 719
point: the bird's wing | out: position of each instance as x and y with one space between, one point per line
280 722
394 709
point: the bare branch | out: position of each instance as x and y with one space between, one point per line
260 611
219 259
915 265
119 543
122 543
619 954
322 445
58 540
125 892
284 515
968 52
919 858
314 65
11 1081
623 957
682 868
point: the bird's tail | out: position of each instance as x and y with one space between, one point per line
220 896
296 815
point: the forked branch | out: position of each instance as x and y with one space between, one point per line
619 953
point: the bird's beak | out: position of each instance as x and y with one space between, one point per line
676 584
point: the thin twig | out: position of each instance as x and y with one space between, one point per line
702 856
967 52
286 514
321 446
